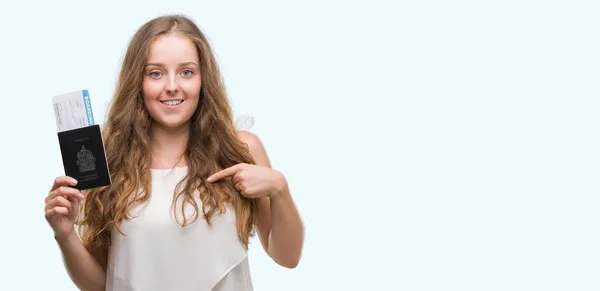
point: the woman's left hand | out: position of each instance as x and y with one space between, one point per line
252 181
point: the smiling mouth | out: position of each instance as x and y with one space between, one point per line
172 102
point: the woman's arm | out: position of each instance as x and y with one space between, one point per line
86 268
279 226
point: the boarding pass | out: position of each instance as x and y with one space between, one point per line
73 110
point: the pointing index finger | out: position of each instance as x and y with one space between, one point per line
223 173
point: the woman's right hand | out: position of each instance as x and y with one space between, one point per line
62 206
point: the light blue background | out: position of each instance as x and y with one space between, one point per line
429 145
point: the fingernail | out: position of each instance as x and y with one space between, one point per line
73 181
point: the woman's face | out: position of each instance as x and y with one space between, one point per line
171 86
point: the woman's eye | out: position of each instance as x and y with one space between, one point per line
187 73
155 74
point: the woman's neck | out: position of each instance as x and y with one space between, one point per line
168 146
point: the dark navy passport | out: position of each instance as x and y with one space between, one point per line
83 156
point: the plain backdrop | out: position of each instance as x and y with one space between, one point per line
429 145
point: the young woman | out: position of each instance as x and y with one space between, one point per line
188 189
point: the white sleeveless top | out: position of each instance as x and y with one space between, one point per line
157 254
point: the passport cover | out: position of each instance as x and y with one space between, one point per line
83 156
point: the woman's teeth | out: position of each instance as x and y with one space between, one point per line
172 102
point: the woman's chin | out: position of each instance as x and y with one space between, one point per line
171 124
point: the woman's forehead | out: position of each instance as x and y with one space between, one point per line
172 49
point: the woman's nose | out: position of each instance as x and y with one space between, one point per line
172 85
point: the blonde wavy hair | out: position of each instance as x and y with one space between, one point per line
213 145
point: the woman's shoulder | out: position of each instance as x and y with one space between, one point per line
251 139
255 147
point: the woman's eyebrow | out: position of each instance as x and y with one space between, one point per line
162 65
